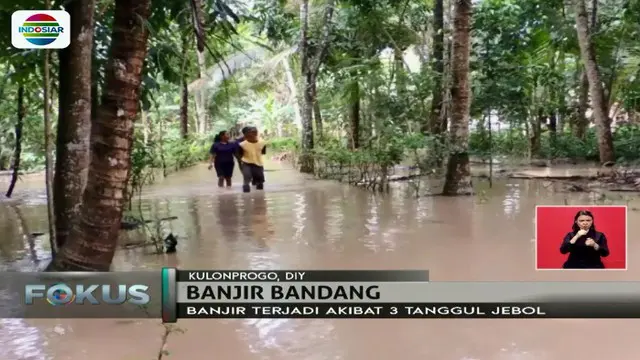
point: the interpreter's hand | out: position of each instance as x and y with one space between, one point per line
582 232
590 242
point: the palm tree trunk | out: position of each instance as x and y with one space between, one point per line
184 110
310 66
458 176
306 77
294 92
306 158
95 81
201 95
184 99
92 242
355 132
74 118
48 158
17 152
447 73
317 114
598 102
582 122
435 118
399 71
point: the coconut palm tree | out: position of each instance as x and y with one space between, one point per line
458 175
74 118
95 234
598 100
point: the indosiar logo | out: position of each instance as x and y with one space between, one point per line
40 29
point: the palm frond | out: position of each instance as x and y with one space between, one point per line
225 69
271 64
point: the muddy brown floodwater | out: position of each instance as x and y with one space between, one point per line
299 223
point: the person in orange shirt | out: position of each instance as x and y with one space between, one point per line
250 151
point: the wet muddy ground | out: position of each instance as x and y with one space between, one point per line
300 223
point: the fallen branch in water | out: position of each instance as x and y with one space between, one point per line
133 223
404 177
551 177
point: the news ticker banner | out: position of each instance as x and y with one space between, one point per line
171 294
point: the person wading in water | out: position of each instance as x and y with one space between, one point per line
250 151
244 131
221 157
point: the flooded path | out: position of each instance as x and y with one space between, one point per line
299 223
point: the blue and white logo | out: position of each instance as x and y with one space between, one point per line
40 29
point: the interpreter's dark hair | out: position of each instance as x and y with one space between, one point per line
588 213
219 136
245 130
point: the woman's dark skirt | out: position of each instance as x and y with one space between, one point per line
224 169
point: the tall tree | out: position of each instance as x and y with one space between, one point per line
48 156
317 113
596 90
92 242
18 148
581 121
74 118
201 97
458 176
353 109
184 95
306 161
310 62
435 122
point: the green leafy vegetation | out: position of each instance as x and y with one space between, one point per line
519 66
